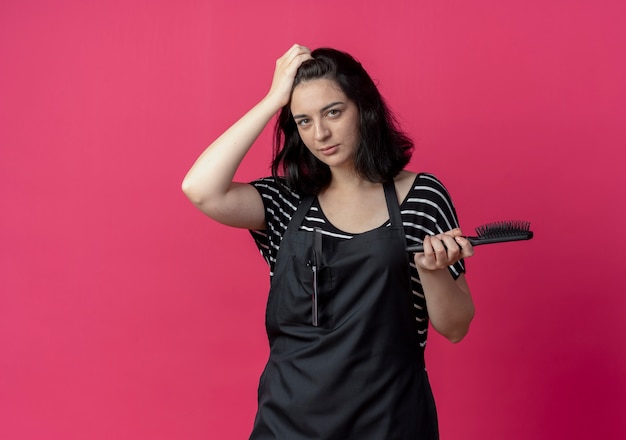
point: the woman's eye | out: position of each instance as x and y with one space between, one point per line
302 122
333 113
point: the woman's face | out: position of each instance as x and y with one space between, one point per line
327 121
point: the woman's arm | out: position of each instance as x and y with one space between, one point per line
449 303
209 183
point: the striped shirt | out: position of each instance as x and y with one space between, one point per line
426 210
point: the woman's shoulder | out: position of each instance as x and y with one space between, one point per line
412 186
275 192
276 185
421 179
409 181
405 176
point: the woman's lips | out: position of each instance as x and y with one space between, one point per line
327 151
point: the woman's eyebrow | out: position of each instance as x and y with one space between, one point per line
322 110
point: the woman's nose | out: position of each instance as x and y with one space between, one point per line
321 131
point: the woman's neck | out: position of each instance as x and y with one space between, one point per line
347 179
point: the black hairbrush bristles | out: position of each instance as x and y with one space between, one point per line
504 231
497 232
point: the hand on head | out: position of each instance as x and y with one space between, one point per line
285 73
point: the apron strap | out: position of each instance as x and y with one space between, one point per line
392 204
298 217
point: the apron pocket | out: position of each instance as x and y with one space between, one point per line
296 302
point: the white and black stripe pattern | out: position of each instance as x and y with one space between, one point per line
427 210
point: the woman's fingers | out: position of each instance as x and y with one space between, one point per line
467 250
285 72
296 50
443 250
434 253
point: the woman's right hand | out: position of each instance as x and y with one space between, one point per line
285 73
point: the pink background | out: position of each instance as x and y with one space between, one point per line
126 314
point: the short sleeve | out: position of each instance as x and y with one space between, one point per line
436 205
280 204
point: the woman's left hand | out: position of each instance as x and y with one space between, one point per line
443 250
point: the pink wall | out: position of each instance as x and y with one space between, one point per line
125 314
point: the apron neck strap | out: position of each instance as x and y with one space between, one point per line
392 204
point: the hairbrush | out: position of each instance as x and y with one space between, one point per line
498 232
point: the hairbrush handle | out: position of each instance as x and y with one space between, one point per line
476 241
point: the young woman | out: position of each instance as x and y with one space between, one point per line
348 308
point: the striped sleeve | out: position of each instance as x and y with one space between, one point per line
280 205
428 210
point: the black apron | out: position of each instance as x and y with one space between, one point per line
345 362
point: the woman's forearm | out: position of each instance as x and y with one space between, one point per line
211 175
449 303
